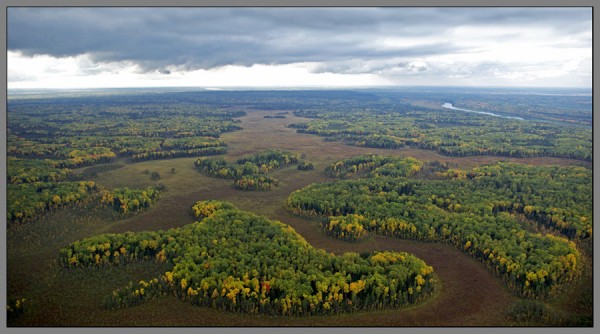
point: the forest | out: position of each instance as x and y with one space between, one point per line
223 262
448 133
369 202
480 214
94 132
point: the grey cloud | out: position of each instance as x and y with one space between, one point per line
385 60
194 38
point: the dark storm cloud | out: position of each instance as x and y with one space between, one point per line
194 38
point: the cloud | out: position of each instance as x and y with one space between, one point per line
382 41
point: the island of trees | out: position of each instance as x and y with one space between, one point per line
237 261
248 172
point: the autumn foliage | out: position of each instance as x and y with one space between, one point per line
237 261
480 213
127 200
28 201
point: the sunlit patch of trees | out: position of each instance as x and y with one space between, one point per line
237 261
481 214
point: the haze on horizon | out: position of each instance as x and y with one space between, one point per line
298 47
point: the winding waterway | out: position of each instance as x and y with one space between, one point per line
450 106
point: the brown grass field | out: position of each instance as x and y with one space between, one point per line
468 295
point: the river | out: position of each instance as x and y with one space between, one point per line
450 106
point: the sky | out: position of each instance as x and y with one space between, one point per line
298 47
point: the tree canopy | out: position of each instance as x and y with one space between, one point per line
481 214
238 261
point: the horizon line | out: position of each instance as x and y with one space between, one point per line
232 88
